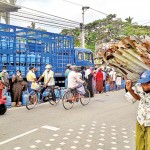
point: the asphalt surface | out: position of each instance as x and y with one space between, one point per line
106 123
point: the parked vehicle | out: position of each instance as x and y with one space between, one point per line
21 48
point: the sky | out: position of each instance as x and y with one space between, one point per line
137 9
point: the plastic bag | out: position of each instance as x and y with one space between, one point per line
35 86
81 90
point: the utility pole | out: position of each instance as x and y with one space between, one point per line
82 27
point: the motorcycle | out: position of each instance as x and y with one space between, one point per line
3 107
3 99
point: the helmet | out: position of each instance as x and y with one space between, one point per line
145 77
48 66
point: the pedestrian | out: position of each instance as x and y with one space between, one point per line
88 79
118 81
19 85
112 79
141 92
99 81
83 69
5 79
68 70
104 79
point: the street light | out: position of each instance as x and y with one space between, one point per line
82 26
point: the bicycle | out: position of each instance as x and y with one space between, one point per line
70 97
33 96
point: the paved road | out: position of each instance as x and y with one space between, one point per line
107 123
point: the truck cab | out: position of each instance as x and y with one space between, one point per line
84 57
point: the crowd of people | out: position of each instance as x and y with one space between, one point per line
95 78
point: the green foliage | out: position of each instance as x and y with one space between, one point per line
108 28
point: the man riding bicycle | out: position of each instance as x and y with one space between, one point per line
73 79
48 76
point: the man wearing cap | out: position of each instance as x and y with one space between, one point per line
141 92
48 76
31 77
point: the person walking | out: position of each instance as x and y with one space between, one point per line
89 81
141 92
99 80
112 79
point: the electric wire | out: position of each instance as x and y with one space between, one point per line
41 20
39 16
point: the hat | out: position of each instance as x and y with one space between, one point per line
68 65
48 66
31 68
73 66
145 77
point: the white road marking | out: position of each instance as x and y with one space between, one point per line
113 143
101 139
38 141
68 133
52 140
71 130
18 136
78 137
65 138
101 144
50 128
125 137
17 148
62 143
58 149
33 146
80 132
127 146
88 140
73 147
76 142
125 141
114 138
113 148
47 145
87 145
55 135
94 122
83 125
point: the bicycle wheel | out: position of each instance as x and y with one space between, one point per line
31 100
68 100
57 95
86 98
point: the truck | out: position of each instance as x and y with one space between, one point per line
21 48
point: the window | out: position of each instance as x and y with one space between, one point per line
87 56
80 56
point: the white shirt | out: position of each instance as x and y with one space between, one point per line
73 80
143 114
48 75
113 75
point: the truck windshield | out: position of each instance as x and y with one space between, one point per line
80 56
88 56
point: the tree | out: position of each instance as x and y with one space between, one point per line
129 20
